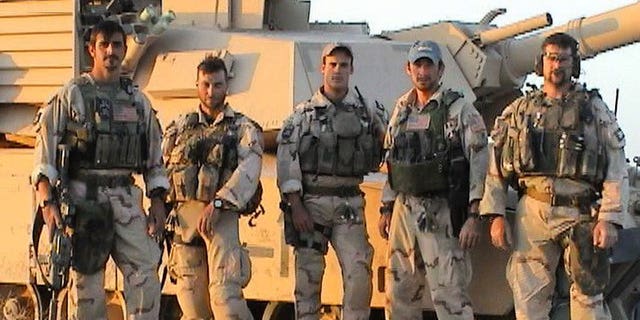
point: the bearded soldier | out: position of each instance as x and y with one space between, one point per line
324 150
214 159
112 132
437 164
561 148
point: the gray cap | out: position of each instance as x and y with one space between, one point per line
328 49
425 49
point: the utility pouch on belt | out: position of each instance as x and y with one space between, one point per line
318 239
93 236
589 265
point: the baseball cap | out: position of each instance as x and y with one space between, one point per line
425 49
328 50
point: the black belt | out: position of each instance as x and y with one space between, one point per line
350 191
577 200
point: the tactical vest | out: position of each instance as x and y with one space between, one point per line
203 159
555 140
340 142
114 133
420 158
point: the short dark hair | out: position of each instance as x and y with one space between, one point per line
211 64
561 40
107 29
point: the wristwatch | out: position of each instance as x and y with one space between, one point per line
218 203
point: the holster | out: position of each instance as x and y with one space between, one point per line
458 198
589 265
318 239
93 236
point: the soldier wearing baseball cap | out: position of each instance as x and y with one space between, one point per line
437 164
325 148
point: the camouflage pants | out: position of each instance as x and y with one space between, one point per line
210 279
433 255
531 270
350 242
135 253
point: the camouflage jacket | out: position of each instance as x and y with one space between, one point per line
609 135
289 174
242 183
67 105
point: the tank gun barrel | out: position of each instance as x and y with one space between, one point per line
490 36
596 34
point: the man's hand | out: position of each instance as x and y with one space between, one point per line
470 233
50 212
301 218
156 218
208 219
501 236
383 225
51 216
605 235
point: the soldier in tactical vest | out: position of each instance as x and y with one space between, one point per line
112 132
561 148
436 162
324 150
214 158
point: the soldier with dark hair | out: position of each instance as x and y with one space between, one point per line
112 132
436 161
214 158
325 148
562 150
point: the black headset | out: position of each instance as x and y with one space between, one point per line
575 72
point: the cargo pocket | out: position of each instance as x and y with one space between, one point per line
527 276
588 266
236 268
188 264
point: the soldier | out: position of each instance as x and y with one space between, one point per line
324 150
112 132
562 149
214 159
437 164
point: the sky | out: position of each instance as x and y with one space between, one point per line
607 71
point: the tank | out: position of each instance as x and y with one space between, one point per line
272 52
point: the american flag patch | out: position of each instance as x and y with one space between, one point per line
125 114
418 122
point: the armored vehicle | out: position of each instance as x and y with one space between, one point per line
272 52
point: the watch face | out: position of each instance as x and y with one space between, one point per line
217 203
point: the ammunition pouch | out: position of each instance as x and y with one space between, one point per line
93 236
590 269
422 178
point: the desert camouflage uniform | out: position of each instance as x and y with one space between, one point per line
348 236
210 278
543 233
434 253
134 251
